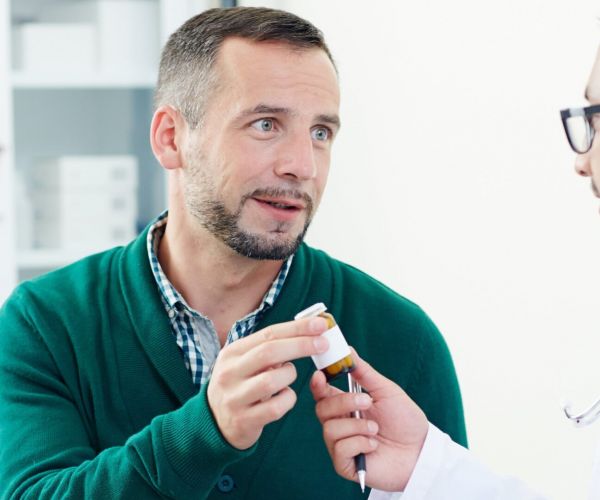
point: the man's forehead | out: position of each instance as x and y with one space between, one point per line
592 91
258 73
236 48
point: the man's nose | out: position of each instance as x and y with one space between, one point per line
297 158
582 165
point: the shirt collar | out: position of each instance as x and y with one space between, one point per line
169 294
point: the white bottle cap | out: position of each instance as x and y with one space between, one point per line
313 310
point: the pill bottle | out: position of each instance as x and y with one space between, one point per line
337 360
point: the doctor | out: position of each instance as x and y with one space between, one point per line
405 452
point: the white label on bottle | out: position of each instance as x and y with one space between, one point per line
338 348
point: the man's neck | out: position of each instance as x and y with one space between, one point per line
213 279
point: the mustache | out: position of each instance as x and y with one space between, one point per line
273 192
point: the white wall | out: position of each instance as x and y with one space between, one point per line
452 182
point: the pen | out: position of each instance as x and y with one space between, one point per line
360 462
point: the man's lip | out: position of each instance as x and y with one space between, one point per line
281 201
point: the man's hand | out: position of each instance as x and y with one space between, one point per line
249 386
390 434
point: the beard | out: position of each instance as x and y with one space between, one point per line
210 211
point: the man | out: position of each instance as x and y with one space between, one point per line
405 453
171 368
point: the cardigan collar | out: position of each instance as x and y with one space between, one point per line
303 286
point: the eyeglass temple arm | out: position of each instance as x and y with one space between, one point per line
585 418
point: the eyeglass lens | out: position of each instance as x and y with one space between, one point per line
580 133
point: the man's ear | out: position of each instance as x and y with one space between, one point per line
166 132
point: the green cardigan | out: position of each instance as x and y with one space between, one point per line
96 402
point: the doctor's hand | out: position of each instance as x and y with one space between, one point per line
249 385
390 434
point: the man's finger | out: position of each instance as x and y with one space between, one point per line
272 409
289 329
264 385
278 351
320 388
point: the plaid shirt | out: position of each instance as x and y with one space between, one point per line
195 334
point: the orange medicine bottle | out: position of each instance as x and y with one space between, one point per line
337 359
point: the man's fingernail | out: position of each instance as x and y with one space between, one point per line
362 400
372 426
317 324
321 344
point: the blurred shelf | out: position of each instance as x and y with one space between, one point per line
22 80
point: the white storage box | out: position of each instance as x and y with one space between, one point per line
55 47
128 31
69 173
24 214
128 34
62 229
84 203
92 208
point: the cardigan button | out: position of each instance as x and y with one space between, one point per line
225 483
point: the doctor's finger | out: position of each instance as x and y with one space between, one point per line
346 449
340 405
371 380
341 428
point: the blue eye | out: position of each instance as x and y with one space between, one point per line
320 134
263 125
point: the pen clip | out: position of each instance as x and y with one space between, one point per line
355 388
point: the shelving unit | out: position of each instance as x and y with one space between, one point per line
22 80
59 107
8 269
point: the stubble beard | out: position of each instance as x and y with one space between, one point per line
205 206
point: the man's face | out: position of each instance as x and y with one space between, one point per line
257 165
588 164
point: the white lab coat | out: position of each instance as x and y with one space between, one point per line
447 471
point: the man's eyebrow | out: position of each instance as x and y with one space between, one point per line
330 119
264 109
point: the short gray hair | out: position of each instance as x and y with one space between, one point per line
186 77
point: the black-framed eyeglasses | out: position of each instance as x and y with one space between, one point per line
580 126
